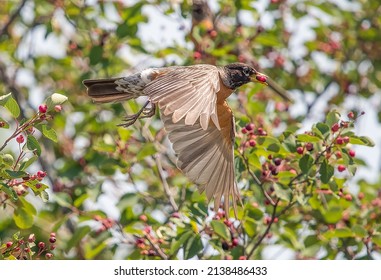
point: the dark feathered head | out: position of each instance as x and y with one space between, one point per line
238 74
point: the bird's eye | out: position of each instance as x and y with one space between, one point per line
246 71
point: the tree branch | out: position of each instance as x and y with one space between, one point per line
4 29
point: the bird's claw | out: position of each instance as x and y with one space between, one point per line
143 113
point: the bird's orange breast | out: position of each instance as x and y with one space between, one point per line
224 93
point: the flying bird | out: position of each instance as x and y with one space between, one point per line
196 116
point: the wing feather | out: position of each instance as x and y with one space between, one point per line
188 93
206 155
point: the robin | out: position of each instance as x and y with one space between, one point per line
196 116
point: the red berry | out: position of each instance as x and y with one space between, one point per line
351 115
197 55
249 127
348 197
261 131
244 130
352 153
274 172
335 127
213 33
49 256
261 78
27 250
341 168
52 239
176 215
20 139
242 258
309 146
9 244
31 238
235 241
277 161
147 229
41 174
143 218
38 186
276 219
338 154
58 108
252 143
346 139
2 124
361 195
41 245
228 223
339 141
43 108
300 150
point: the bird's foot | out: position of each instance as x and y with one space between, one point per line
143 113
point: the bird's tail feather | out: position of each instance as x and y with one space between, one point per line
105 91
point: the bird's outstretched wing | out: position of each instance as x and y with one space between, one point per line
188 94
206 156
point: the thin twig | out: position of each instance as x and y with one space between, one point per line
4 30
256 180
156 247
259 241
165 184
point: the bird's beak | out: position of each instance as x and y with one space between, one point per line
259 78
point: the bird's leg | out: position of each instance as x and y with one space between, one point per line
143 113
149 112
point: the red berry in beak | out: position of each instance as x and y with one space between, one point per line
261 78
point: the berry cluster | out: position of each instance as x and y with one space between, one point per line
251 134
149 243
106 223
28 249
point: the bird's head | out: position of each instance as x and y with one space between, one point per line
238 74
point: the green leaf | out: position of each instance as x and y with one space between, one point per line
307 138
326 172
332 118
323 128
181 240
361 140
305 163
77 237
9 191
147 150
95 54
49 133
282 193
27 162
33 145
359 231
333 214
250 227
8 159
16 174
124 30
24 214
22 218
254 213
55 99
8 102
376 239
340 233
193 246
220 229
